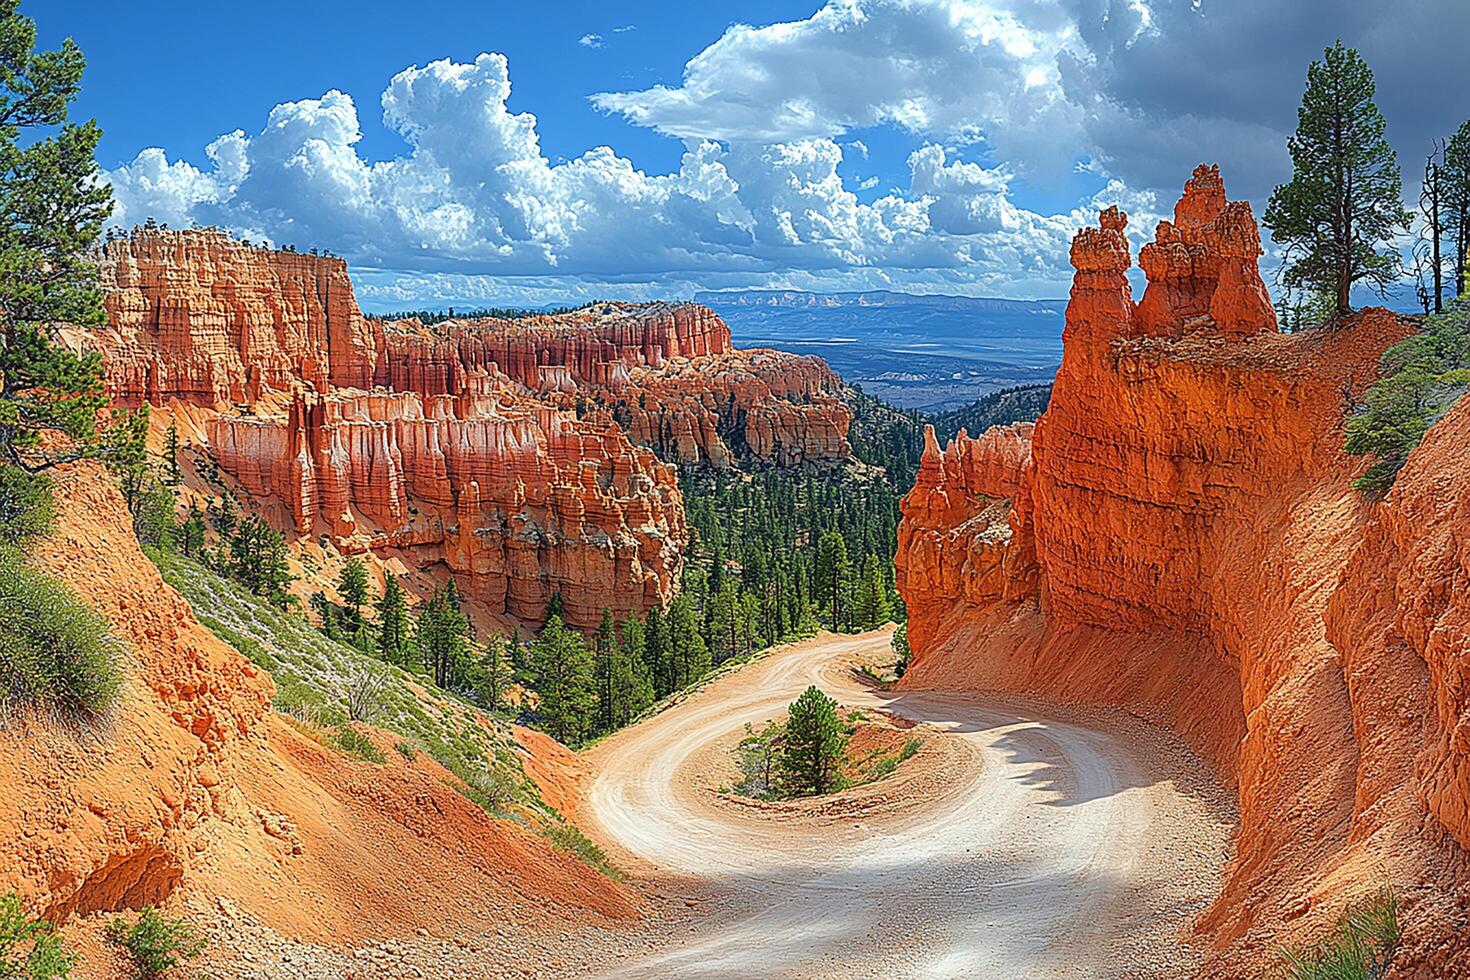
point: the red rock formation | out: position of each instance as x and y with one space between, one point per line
591 344
668 374
498 447
1175 543
198 316
1202 267
520 501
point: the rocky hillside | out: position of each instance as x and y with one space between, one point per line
1178 536
527 456
199 796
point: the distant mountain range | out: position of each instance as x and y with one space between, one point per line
796 299
930 352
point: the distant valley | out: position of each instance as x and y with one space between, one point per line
890 343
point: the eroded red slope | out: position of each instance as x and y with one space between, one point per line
1179 537
196 787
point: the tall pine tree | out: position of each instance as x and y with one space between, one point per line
565 681
52 206
1337 218
443 638
352 585
394 644
812 752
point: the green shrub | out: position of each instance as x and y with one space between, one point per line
900 644
347 739
1361 948
26 507
492 790
883 766
56 654
1424 375
29 950
153 516
909 748
408 752
567 837
155 944
812 750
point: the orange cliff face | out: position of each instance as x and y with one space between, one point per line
1178 537
518 454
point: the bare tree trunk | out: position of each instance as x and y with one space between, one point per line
1431 178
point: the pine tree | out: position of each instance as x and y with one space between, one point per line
656 652
257 559
393 625
225 517
639 693
606 655
1345 197
494 673
517 654
192 531
565 680
442 637
688 654
872 599
724 622
748 622
830 578
814 743
352 585
53 206
1457 201
171 454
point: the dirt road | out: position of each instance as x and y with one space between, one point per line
1047 848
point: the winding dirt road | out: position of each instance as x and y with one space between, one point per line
1049 848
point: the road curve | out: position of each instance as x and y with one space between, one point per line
1049 856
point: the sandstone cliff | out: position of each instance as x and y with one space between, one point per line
527 456
1178 537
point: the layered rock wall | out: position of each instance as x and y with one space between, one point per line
198 316
518 453
520 502
1173 539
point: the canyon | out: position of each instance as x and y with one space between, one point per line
528 457
1163 594
1178 537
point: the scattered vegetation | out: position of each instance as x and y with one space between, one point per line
567 837
1361 947
1424 376
431 317
154 943
899 642
326 682
350 741
1023 403
760 752
57 656
29 948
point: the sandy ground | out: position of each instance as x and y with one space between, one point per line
1030 842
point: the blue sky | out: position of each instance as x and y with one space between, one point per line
931 145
